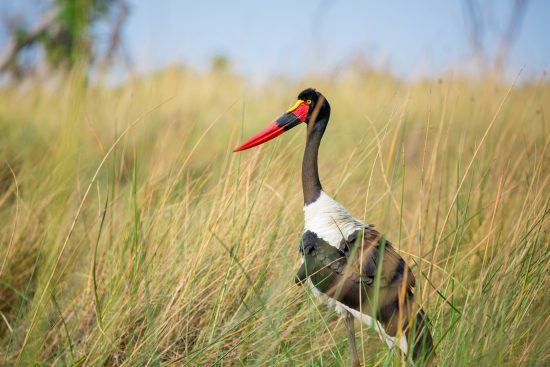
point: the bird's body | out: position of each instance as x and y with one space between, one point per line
333 224
348 264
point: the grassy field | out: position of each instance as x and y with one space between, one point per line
132 236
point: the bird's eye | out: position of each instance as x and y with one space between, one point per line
308 101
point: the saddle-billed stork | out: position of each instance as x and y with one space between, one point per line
348 264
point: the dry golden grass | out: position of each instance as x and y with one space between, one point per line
131 235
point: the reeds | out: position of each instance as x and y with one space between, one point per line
131 235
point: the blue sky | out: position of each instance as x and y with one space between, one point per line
413 38
263 38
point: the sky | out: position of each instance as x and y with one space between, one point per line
263 38
412 38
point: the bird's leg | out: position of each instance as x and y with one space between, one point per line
354 358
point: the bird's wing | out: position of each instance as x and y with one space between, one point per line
366 249
350 277
327 269
321 262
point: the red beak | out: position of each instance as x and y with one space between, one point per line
294 116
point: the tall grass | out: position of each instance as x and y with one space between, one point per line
131 235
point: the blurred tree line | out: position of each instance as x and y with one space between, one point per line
479 20
63 35
59 34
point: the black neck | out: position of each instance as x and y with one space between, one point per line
311 184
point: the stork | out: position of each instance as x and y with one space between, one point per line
348 264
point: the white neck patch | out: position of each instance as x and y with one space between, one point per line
329 220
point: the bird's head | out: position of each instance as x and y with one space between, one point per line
311 108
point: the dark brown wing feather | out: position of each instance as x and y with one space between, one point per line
368 276
367 249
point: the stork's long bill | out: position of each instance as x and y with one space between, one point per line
292 117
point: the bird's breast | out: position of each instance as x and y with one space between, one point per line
329 220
